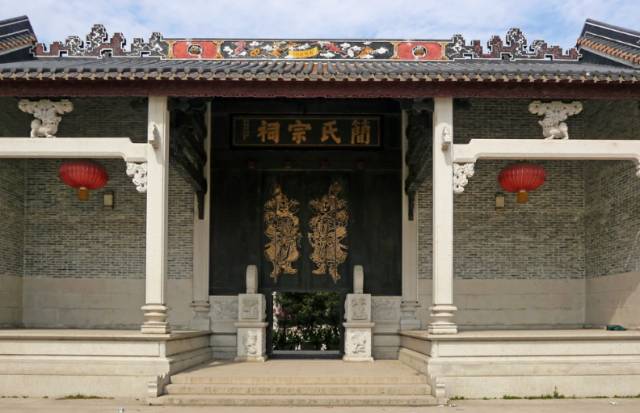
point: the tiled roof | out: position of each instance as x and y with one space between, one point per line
16 34
135 68
611 42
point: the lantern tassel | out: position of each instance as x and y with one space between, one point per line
83 193
522 197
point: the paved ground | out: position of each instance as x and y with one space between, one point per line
470 406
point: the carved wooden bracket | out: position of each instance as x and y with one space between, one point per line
138 173
461 175
46 114
555 113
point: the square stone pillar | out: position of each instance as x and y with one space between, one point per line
155 308
252 328
443 309
251 325
358 326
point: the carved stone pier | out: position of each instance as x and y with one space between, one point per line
358 325
251 325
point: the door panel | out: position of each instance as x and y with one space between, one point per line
305 232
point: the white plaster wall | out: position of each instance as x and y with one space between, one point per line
10 300
512 304
97 302
614 299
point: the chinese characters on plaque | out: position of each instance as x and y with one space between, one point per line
299 131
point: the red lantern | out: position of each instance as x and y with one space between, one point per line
84 176
521 178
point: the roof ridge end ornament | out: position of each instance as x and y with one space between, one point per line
47 115
555 113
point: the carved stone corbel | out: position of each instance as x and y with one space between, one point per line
154 136
461 174
446 138
138 173
555 113
46 114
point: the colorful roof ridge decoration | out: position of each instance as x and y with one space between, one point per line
611 42
98 44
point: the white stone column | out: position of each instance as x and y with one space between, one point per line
200 304
409 305
443 309
155 309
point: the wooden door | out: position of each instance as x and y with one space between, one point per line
306 232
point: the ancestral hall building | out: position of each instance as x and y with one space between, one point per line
474 210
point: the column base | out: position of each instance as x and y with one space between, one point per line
442 319
155 319
201 320
408 318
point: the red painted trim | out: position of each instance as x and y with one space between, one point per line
292 89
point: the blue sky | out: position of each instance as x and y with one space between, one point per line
557 22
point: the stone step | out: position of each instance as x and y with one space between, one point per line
306 389
297 380
292 400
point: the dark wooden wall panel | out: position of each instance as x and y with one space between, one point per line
241 182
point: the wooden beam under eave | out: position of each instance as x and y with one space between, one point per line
321 89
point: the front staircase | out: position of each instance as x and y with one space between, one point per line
298 383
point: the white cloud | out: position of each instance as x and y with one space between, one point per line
557 22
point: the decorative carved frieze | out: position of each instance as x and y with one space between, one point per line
47 115
187 145
555 113
97 44
514 47
461 175
138 174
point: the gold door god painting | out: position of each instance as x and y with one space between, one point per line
328 227
282 228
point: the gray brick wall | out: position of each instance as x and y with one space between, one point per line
612 194
612 218
541 239
65 238
68 238
11 217
108 117
585 220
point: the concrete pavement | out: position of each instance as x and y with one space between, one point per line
10 405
